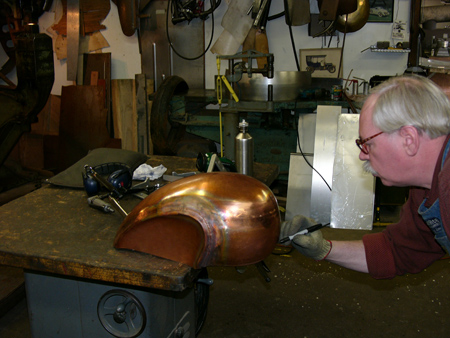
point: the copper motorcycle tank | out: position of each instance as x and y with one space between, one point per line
211 219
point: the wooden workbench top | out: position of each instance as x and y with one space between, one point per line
54 230
266 173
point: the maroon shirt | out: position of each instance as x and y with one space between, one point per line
409 245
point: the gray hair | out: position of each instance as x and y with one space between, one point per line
411 101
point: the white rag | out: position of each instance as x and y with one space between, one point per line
145 171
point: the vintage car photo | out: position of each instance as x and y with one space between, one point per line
379 11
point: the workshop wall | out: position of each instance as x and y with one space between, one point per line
364 64
126 61
126 56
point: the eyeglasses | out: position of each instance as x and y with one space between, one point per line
362 143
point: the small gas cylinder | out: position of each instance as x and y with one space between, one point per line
244 150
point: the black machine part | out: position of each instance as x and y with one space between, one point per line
166 134
33 58
186 10
121 314
21 105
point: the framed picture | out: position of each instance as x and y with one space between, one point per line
321 62
381 11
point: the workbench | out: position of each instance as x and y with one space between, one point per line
52 232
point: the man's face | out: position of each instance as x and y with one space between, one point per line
384 157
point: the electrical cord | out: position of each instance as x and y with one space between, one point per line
293 47
214 5
291 35
306 160
329 42
276 16
188 10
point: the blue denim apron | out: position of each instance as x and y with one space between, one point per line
432 215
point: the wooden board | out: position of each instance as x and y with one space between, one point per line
150 90
93 12
124 112
100 63
82 123
48 118
31 150
142 114
88 44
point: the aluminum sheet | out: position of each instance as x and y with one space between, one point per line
287 85
352 198
300 173
332 137
324 150
298 200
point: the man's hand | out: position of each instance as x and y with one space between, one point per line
312 245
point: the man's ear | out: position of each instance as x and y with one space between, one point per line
411 139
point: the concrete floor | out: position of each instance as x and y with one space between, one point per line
310 299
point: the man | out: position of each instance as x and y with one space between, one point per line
404 140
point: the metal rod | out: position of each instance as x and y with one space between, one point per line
117 206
